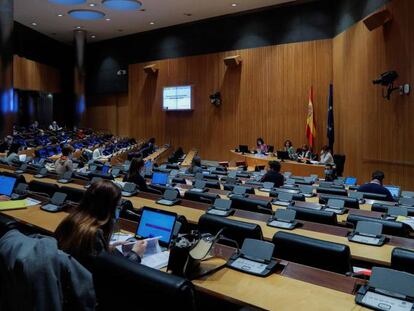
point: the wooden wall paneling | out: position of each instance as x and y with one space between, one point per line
31 75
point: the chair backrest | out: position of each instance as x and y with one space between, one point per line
321 217
203 197
312 252
43 187
251 205
383 208
213 184
120 282
349 202
6 224
374 196
339 160
402 259
74 194
334 191
233 229
390 227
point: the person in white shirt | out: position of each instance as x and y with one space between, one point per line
98 152
326 156
54 126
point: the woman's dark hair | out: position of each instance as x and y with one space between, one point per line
379 175
325 148
288 142
134 168
260 140
77 233
275 166
151 140
14 148
66 150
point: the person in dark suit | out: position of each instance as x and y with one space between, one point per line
134 174
273 174
376 186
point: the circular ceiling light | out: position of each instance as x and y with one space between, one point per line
86 14
122 5
68 2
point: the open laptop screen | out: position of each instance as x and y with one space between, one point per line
395 191
6 185
155 223
159 178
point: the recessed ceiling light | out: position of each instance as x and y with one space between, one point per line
68 2
122 5
86 14
234 4
78 27
93 36
92 4
107 19
152 23
60 15
34 24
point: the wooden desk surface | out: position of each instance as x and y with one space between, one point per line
189 158
380 255
158 153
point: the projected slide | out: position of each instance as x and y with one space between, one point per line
177 98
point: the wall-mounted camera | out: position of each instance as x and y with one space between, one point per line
215 99
387 79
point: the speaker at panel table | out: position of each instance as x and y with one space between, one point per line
177 98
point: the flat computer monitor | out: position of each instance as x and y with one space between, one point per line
7 185
395 191
159 178
282 155
154 223
43 153
350 181
243 148
148 164
105 169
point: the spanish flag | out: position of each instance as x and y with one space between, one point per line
310 121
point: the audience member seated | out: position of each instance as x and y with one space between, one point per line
64 163
326 156
288 146
273 174
87 231
98 152
5 145
376 186
54 126
34 126
261 147
13 154
151 145
134 174
195 166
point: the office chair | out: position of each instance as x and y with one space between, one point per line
321 217
213 185
120 283
333 191
178 180
402 259
339 160
383 208
374 196
43 187
251 205
233 229
6 224
312 252
249 190
295 196
390 227
349 202
203 197
73 194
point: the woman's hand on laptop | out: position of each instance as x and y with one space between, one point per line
139 247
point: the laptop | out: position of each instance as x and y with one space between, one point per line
115 172
156 223
395 191
42 172
129 189
350 181
7 185
66 178
56 203
199 186
159 178
93 180
243 148
221 207
267 186
105 169
169 198
21 169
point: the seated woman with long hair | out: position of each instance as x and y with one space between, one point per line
87 231
134 174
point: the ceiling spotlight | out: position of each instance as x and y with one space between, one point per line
122 5
234 4
92 4
152 23
60 15
68 2
86 14
78 27
107 19
34 24
93 36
